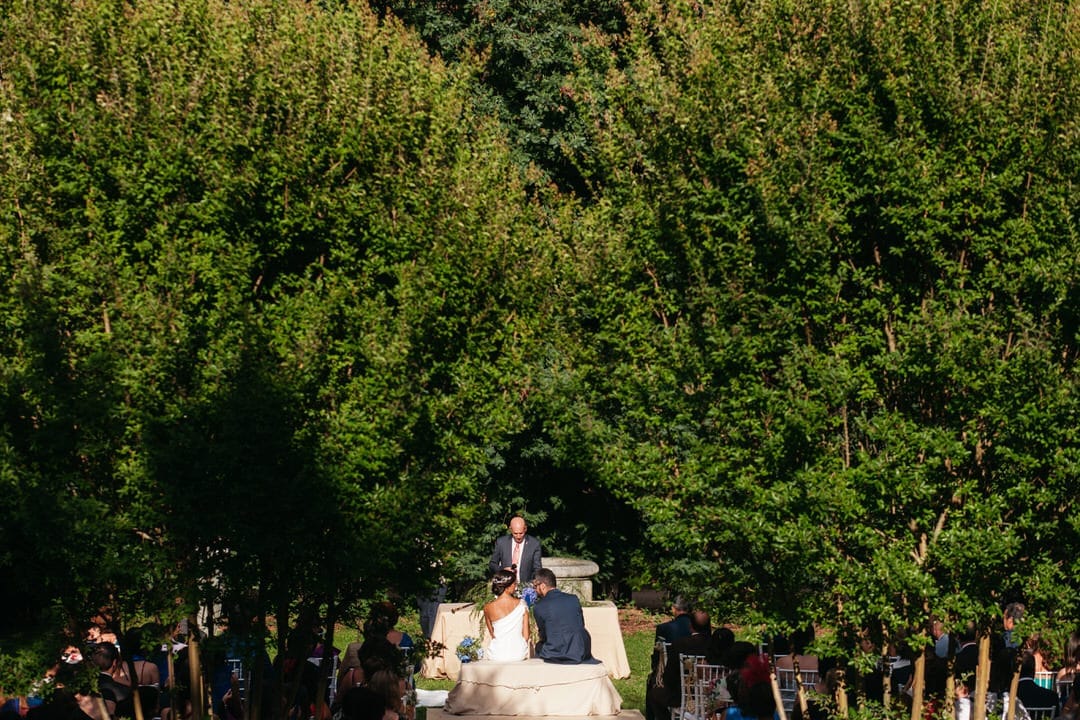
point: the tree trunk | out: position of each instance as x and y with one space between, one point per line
254 705
886 676
982 679
950 690
841 698
1013 686
281 621
198 697
917 685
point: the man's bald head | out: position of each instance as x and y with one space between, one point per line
518 528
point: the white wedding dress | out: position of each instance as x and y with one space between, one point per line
507 644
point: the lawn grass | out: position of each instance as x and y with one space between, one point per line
639 648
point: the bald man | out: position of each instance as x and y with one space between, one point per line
518 551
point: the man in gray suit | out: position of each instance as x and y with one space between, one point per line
518 552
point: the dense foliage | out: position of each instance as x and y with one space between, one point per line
774 303
836 368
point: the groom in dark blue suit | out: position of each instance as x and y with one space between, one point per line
560 623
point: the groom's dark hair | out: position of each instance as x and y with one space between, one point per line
545 576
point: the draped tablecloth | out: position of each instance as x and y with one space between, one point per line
533 687
454 621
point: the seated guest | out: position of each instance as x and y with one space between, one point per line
114 682
967 653
1012 614
818 702
936 676
301 676
103 629
1071 663
1001 669
679 624
669 693
1029 693
1035 646
752 691
740 653
146 673
240 641
666 633
719 645
363 703
374 655
872 680
1070 708
560 623
941 638
390 686
350 674
383 618
72 698
797 644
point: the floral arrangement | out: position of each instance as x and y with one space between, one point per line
719 696
469 649
528 594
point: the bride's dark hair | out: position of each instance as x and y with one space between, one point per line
501 580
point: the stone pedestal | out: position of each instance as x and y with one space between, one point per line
572 575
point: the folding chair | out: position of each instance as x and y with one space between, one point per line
706 678
331 685
785 678
687 709
1042 713
809 678
1064 688
236 667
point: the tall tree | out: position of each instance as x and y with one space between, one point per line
276 284
834 255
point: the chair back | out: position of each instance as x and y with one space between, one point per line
1064 688
236 667
659 661
687 709
331 685
710 689
785 678
1042 713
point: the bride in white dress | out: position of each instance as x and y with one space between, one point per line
507 620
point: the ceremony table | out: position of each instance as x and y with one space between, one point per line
533 687
454 621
